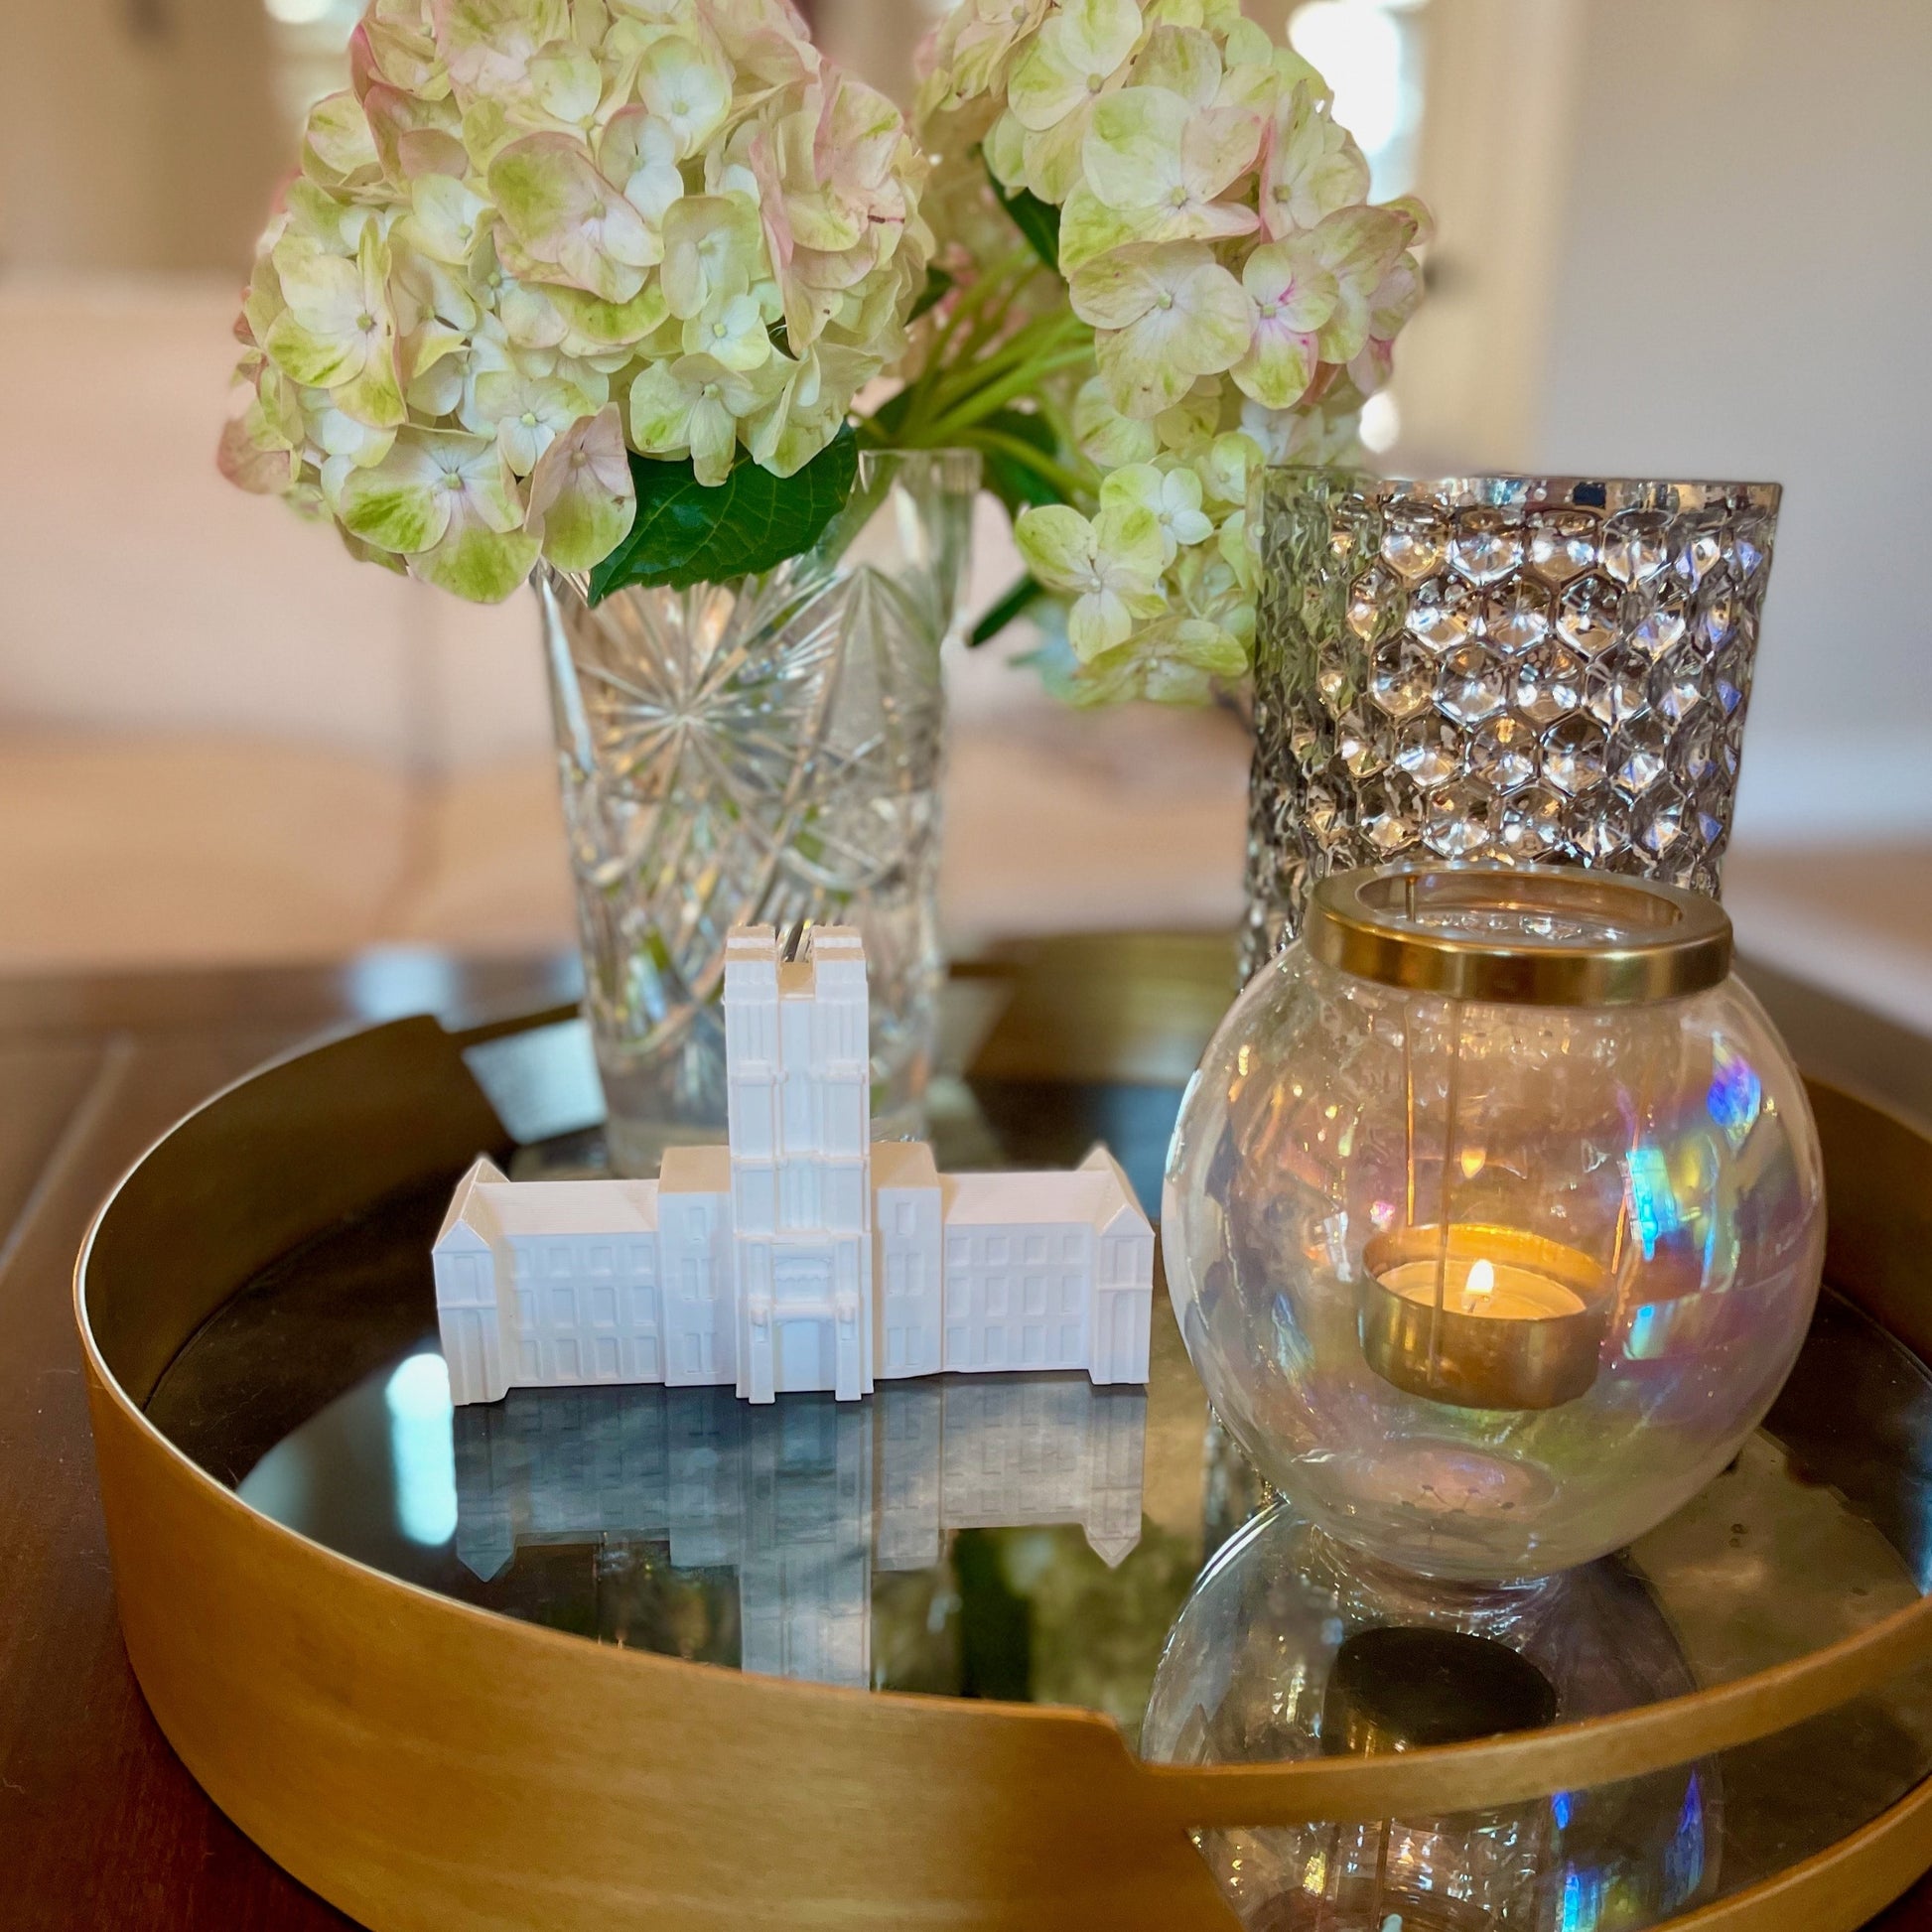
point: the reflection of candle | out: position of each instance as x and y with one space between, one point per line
1483 1318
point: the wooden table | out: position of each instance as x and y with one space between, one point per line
100 1827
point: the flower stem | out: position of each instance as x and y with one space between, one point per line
1039 461
983 402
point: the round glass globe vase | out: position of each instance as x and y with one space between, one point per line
1495 1216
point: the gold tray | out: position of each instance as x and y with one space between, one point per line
422 1763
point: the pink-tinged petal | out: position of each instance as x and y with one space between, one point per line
761 157
1421 220
255 459
1198 222
856 138
1279 367
1394 299
1310 168
1359 247
426 128
389 53
1289 284
563 214
486 45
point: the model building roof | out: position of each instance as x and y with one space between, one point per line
697 1170
534 1207
902 1164
1031 1199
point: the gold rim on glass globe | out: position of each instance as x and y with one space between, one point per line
1528 936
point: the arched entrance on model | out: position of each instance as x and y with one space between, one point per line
806 1352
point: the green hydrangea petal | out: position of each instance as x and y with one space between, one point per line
336 145
475 562
582 498
1183 60
310 356
1057 545
1132 150
400 503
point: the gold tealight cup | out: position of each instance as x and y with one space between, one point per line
1483 1317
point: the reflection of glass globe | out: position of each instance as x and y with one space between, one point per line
1291 1646
1493 1216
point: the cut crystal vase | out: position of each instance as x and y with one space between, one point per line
1510 669
766 751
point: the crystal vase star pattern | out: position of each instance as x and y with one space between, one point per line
1508 669
762 752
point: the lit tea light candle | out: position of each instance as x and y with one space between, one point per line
1505 1293
1483 1317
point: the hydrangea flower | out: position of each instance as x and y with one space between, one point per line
1211 228
533 231
536 239
1110 567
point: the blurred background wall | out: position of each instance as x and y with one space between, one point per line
1675 238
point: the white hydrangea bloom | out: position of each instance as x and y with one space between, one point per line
531 226
1214 233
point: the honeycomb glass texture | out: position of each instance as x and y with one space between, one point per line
1670 1145
1510 669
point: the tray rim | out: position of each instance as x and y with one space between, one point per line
169 1594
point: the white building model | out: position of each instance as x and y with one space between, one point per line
800 1256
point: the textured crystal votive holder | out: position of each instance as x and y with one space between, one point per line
1510 669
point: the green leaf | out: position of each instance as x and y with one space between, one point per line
1038 220
1014 603
685 532
1009 477
938 282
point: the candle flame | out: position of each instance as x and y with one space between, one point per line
1481 1285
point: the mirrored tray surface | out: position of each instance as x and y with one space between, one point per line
1020 1537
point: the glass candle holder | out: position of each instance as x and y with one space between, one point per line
1494 1214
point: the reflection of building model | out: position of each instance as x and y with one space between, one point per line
787 1495
800 1256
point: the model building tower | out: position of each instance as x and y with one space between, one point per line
800 1256
799 1073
